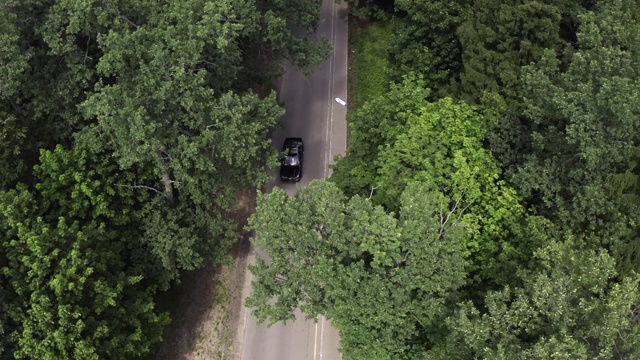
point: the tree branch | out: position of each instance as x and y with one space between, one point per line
134 186
443 224
372 189
465 208
14 105
128 21
186 132
86 53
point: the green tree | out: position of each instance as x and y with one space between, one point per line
442 144
12 136
428 43
371 128
400 138
166 105
333 256
577 126
500 38
624 189
570 307
41 83
201 157
74 287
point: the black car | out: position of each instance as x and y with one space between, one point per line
291 165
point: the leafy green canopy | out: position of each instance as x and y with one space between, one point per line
201 159
337 257
427 40
402 138
393 285
157 93
161 85
500 38
371 127
166 105
73 267
570 307
577 126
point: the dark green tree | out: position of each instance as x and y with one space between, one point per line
570 307
428 43
500 38
41 82
624 189
577 126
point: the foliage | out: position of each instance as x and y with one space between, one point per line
549 219
152 99
40 85
577 126
369 9
370 128
624 189
441 144
438 143
202 157
336 257
12 136
166 107
500 38
74 287
427 41
571 307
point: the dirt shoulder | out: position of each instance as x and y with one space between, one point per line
208 313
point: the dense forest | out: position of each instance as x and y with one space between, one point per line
488 205
127 129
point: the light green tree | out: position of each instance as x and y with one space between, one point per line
442 144
73 283
335 256
373 126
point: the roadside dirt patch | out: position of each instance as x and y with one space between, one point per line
208 305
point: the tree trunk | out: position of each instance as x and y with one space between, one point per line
166 178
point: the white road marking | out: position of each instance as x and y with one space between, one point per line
328 140
315 342
329 123
321 336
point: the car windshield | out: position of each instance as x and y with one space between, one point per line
291 161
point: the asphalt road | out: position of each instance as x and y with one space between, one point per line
312 114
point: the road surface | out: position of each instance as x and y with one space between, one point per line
313 114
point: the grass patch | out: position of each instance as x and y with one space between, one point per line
369 43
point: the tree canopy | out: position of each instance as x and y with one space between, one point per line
128 129
336 256
75 287
514 126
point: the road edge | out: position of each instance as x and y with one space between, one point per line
244 292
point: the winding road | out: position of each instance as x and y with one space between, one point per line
313 114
